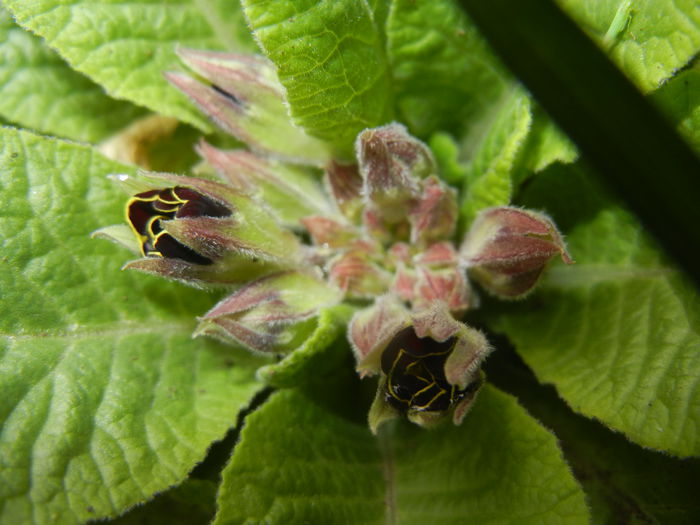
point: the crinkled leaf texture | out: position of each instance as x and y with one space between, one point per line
496 142
106 399
657 37
330 58
298 462
443 73
39 91
126 46
617 333
324 350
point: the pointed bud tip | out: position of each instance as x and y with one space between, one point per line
507 249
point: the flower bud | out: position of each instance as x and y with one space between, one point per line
507 248
434 216
344 183
290 192
271 315
244 97
200 231
392 163
358 275
430 276
429 363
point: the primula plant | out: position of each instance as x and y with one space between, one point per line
366 278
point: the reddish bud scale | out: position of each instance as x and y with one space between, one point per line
507 249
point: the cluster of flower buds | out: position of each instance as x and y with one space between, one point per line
380 230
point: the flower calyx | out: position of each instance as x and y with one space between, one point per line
242 95
429 363
201 232
507 248
274 314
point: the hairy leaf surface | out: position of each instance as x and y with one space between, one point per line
617 333
330 59
654 40
105 397
126 46
38 90
298 462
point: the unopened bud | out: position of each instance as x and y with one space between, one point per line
392 163
290 192
244 97
507 248
274 314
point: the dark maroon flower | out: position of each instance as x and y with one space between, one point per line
147 210
415 374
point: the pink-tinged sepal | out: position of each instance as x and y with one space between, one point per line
243 96
344 183
274 314
329 232
371 329
438 255
358 275
289 192
405 283
430 367
440 279
507 248
446 285
434 216
392 164
235 270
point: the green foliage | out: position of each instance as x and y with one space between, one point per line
39 91
624 483
125 47
618 332
659 37
323 468
443 74
495 143
192 502
106 399
330 59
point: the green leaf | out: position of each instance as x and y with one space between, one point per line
300 463
125 46
617 333
680 100
495 143
658 38
106 399
322 351
624 483
39 91
443 73
446 151
330 59
618 131
545 144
